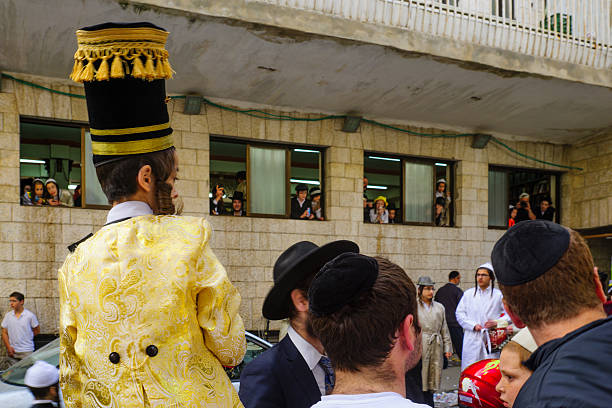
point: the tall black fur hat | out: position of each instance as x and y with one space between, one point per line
123 67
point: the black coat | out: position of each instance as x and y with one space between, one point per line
449 295
279 378
572 371
549 214
296 210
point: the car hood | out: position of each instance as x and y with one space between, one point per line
13 396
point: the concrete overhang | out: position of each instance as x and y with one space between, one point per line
268 65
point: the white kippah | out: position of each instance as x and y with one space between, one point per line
486 265
525 340
41 375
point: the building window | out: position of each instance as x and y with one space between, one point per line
50 163
518 194
408 190
260 179
54 169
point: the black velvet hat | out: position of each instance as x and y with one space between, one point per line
340 282
123 68
527 250
295 264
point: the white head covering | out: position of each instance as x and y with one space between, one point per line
441 181
41 375
524 339
487 265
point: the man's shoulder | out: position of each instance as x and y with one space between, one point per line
581 360
267 361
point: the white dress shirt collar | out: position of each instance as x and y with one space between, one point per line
486 291
307 350
128 209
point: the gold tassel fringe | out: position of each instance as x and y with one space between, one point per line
103 73
155 66
117 68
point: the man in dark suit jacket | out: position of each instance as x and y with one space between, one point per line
450 295
293 373
300 205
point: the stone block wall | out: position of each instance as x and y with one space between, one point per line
590 190
33 240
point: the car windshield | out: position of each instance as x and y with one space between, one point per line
16 373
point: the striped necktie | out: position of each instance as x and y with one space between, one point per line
330 377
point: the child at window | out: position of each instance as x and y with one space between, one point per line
441 190
315 200
38 193
55 196
300 205
513 212
26 198
379 214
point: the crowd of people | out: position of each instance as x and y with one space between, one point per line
149 317
39 193
379 211
522 211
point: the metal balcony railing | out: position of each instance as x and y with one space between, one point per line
574 31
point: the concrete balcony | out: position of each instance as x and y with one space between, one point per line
517 69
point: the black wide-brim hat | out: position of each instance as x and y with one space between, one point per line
295 264
123 68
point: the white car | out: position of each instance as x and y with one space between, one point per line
14 393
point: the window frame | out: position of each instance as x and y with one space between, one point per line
452 166
287 146
508 169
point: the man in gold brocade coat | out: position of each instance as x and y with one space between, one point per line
148 315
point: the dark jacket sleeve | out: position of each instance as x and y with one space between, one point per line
295 209
259 386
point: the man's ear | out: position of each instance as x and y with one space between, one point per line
515 319
145 178
598 288
299 299
407 334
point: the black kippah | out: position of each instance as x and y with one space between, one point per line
527 250
341 280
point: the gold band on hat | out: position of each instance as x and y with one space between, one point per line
129 131
132 146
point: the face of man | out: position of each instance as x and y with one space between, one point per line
428 293
173 177
483 278
301 194
237 205
544 205
456 280
15 304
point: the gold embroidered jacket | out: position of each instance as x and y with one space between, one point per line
147 318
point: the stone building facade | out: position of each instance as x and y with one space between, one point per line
33 241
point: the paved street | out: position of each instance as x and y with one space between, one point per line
450 381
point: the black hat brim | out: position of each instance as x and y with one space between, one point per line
277 304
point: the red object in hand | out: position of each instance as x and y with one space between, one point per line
477 385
